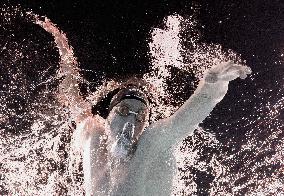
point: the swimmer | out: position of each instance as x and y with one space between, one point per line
124 155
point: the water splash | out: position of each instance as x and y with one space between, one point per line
168 50
35 149
36 152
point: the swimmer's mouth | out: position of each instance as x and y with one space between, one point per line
128 131
123 144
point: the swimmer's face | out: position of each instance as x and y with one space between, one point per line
126 122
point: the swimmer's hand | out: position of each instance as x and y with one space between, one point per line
227 71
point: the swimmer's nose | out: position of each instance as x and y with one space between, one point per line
128 130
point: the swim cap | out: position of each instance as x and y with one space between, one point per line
132 92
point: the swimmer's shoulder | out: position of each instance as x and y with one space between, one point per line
94 124
91 126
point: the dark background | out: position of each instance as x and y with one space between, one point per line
110 38
115 33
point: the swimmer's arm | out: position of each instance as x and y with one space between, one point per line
69 93
186 119
165 133
210 91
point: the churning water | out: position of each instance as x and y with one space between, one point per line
39 157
